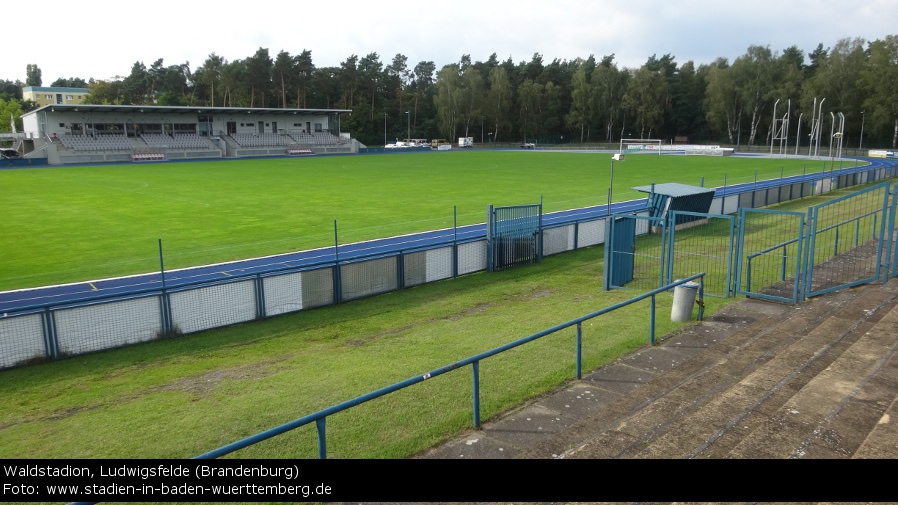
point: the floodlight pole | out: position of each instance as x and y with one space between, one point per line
618 157
408 125
611 186
832 154
385 129
860 144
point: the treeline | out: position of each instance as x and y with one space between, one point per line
581 100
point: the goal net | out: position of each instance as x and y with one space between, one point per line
640 146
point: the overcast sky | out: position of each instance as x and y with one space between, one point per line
103 39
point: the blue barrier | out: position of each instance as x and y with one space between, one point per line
320 417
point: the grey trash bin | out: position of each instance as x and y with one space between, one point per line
683 301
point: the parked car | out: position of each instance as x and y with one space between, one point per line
528 145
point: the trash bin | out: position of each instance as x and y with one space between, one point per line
683 300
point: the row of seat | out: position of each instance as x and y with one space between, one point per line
98 143
316 138
260 139
175 141
276 139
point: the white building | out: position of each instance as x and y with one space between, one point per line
79 133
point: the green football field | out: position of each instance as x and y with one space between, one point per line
78 223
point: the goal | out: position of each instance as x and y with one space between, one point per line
640 146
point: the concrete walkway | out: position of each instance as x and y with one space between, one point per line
757 380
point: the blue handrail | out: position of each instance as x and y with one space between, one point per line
320 417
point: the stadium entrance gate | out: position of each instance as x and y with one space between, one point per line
631 261
647 252
836 245
514 236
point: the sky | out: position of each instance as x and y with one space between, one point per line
103 39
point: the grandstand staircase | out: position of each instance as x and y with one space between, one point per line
757 380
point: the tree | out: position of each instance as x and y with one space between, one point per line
879 81
448 85
817 57
470 99
105 93
258 76
347 80
208 77
499 99
551 119
32 75
10 90
687 91
305 70
578 116
837 78
755 78
234 84
722 101
10 108
396 79
608 85
136 87
283 71
422 81
74 82
647 98
370 84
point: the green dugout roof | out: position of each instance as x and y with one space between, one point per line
681 197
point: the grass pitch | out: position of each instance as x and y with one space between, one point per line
182 397
73 224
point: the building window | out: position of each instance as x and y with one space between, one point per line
69 97
48 97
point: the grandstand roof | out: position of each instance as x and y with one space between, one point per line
136 109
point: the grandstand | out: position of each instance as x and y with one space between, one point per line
120 133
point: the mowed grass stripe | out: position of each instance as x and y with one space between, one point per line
74 224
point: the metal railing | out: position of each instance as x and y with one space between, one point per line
574 231
320 417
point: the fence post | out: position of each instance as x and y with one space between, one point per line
652 323
454 241
164 301
475 367
809 241
889 232
321 425
579 350
51 344
259 284
338 282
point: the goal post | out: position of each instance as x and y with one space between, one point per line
637 146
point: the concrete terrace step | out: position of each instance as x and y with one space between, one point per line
758 380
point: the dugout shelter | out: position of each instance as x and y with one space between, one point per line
673 196
79 133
